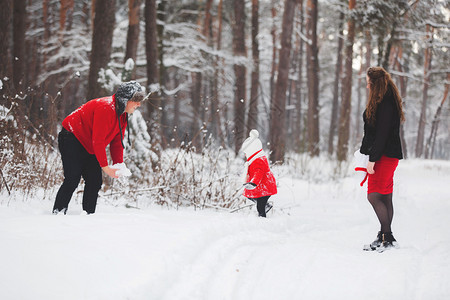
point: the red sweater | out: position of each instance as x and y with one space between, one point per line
96 126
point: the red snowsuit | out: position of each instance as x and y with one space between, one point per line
95 125
259 173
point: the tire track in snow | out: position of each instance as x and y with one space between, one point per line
222 258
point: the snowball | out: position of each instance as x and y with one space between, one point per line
122 170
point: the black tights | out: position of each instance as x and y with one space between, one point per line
261 205
382 205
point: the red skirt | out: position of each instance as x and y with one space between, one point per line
383 180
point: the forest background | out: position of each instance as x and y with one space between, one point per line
215 69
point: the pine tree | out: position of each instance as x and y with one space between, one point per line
139 156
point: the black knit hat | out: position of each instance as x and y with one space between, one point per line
124 93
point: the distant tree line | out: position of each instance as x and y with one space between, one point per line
293 69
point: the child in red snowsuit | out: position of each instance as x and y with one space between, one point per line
259 181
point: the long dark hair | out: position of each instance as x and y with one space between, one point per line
380 81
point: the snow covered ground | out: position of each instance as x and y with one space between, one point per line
308 248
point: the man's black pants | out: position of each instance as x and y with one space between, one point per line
77 162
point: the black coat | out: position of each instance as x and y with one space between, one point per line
383 138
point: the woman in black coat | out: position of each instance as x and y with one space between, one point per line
381 141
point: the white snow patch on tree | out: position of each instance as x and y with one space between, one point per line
139 154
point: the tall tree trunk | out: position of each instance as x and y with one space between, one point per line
313 78
239 49
101 44
337 79
85 17
5 53
196 90
278 105
434 125
69 15
344 118
298 87
176 108
368 43
134 11
361 83
162 72
207 23
45 15
293 88
93 5
215 109
210 121
426 83
151 52
153 80
252 118
389 45
393 33
65 12
380 46
196 99
274 50
47 27
403 88
19 60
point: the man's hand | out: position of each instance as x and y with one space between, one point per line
370 167
110 171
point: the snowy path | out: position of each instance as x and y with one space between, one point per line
310 249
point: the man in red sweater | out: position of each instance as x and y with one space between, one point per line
83 140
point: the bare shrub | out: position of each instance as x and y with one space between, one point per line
209 179
27 167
